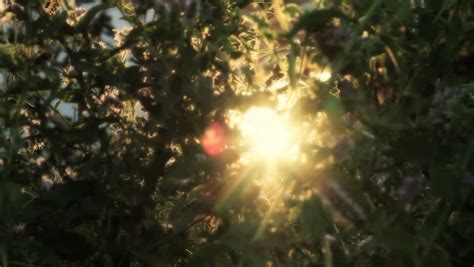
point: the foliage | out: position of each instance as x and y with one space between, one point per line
385 171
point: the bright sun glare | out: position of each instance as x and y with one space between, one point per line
268 134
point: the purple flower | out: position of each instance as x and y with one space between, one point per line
410 188
114 101
46 183
469 178
330 239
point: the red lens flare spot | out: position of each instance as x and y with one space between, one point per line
214 139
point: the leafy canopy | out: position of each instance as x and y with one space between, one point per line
126 146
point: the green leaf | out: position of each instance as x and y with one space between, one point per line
446 182
314 219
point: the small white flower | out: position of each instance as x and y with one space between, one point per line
40 161
99 44
70 172
19 228
120 35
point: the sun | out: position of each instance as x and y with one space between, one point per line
268 134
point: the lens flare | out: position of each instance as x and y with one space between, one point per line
214 139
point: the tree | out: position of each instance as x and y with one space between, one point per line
125 147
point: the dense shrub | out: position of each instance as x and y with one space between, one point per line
109 155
